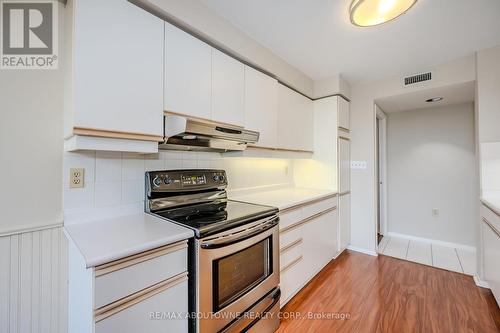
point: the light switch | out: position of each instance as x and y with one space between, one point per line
362 165
76 177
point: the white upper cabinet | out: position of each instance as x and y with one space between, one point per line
228 89
295 120
344 118
115 69
261 106
188 74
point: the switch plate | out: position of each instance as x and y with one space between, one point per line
76 177
362 165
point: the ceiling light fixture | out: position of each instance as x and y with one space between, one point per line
435 99
367 13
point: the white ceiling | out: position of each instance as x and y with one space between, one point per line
452 94
317 37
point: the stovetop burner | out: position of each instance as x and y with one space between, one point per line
207 220
197 199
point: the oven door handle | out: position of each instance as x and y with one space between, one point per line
241 235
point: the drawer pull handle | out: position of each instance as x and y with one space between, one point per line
492 227
138 258
126 302
291 264
291 245
304 221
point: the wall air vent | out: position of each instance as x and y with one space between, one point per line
417 78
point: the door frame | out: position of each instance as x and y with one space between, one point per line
381 167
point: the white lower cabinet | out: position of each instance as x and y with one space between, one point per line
139 293
150 315
308 242
491 251
344 221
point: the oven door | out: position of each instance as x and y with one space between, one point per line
236 270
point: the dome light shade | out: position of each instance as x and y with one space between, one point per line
367 13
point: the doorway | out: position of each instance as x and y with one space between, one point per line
381 172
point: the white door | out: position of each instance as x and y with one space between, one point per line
295 120
344 221
344 165
117 67
228 89
261 106
188 74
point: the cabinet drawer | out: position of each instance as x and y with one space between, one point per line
290 252
124 277
290 217
491 217
291 279
144 312
289 236
318 207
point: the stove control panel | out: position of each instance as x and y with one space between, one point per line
184 180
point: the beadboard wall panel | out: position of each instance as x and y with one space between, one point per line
33 282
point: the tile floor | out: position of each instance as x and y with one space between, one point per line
452 259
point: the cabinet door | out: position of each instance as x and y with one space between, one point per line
261 106
491 253
228 89
344 221
137 317
344 165
295 120
188 74
117 67
344 117
319 242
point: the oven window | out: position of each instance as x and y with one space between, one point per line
237 273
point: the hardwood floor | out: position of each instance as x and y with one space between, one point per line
384 294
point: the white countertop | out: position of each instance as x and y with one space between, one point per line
492 200
283 198
106 240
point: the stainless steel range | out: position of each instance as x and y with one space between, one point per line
234 258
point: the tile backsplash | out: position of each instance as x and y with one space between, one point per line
114 181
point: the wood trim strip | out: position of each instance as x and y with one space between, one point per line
492 227
312 202
126 302
288 266
200 119
138 258
344 129
304 221
116 134
344 138
291 245
280 149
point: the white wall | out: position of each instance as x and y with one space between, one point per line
31 131
431 164
363 95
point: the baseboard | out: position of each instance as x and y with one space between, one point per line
433 241
361 250
480 283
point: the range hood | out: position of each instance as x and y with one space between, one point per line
182 133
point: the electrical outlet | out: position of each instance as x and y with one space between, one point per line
76 177
435 212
